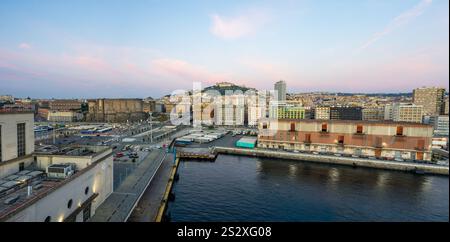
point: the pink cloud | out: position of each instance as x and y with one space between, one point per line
24 46
235 27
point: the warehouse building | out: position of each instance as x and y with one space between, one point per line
389 140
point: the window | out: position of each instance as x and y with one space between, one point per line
308 138
86 191
69 204
21 166
20 139
292 127
359 129
421 144
324 127
341 139
264 126
87 213
399 130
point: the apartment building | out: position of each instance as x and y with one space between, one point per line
338 113
440 124
375 113
402 112
322 113
430 98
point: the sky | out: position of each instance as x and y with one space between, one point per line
119 48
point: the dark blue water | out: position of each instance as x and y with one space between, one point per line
236 188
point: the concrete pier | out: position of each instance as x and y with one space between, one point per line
349 161
165 200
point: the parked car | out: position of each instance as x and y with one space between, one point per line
118 155
133 155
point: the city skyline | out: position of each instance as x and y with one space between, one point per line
139 49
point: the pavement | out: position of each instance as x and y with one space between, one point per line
120 203
148 206
142 181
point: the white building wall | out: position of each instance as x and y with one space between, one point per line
99 179
8 123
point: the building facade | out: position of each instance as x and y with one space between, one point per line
345 113
49 184
65 105
280 87
440 124
388 140
375 113
402 112
322 113
293 112
431 98
64 116
115 110
445 109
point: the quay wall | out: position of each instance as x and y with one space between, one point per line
349 161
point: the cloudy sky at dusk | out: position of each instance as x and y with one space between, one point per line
108 48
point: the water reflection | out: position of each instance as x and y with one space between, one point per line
253 189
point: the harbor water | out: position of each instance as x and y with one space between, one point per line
239 188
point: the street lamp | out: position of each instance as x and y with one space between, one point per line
151 127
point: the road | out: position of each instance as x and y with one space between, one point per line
117 207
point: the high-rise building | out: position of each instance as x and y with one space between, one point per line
445 111
431 98
405 112
280 87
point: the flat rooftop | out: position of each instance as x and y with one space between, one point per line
331 121
14 188
69 150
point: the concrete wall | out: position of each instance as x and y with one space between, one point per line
9 168
99 179
375 137
8 123
116 110
430 169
